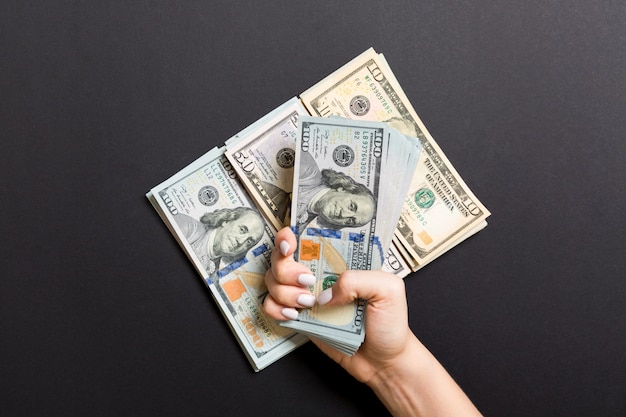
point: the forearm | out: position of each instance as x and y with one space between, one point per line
418 385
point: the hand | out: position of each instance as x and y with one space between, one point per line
386 326
405 376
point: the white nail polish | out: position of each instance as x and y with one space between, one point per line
290 313
306 279
284 247
306 300
325 296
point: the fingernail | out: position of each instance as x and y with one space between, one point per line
290 313
284 247
306 300
325 296
306 279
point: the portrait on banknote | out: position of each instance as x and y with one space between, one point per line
223 236
331 197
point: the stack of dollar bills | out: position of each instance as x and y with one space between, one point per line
408 206
349 186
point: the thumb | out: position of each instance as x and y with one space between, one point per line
368 285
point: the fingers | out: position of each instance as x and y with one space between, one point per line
285 270
278 311
287 281
288 284
285 241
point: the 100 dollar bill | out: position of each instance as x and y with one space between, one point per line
214 220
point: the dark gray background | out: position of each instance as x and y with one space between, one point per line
101 313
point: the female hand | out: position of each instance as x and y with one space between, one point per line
405 376
387 332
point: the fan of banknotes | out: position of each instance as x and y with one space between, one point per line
351 168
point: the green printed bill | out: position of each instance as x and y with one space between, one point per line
229 242
439 209
344 212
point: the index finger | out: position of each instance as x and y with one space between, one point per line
285 241
285 269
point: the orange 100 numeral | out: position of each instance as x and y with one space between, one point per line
249 326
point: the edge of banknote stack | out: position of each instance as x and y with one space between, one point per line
225 207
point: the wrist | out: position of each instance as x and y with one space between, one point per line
416 384
396 384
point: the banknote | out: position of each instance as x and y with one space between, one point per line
229 242
439 207
480 226
344 211
263 156
395 263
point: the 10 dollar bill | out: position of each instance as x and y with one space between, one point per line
439 209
